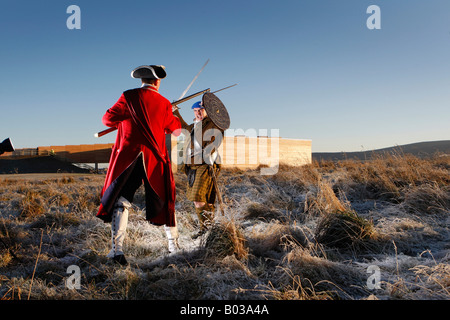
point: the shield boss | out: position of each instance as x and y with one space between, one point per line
216 111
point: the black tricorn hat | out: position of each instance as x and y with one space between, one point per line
216 110
149 72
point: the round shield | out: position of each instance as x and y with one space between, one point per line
216 110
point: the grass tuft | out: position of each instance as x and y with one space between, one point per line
226 238
344 230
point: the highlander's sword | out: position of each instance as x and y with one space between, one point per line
195 78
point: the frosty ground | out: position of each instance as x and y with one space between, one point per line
377 229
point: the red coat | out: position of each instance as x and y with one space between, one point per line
142 117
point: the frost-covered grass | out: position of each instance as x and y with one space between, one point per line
315 232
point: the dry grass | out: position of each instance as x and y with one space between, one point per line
344 230
427 198
434 281
224 239
304 233
322 200
31 205
390 176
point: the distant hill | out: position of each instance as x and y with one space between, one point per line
44 164
420 149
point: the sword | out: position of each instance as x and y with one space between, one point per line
189 86
225 88
195 78
175 104
192 96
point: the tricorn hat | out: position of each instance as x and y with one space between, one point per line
216 110
149 72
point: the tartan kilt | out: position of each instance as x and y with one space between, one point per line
202 189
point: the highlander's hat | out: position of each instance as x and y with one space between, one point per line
198 105
149 72
216 110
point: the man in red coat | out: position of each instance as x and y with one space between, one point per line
139 155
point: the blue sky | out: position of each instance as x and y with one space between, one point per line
311 69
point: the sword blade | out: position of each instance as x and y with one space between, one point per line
190 97
225 88
192 82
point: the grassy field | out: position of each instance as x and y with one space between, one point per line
344 230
